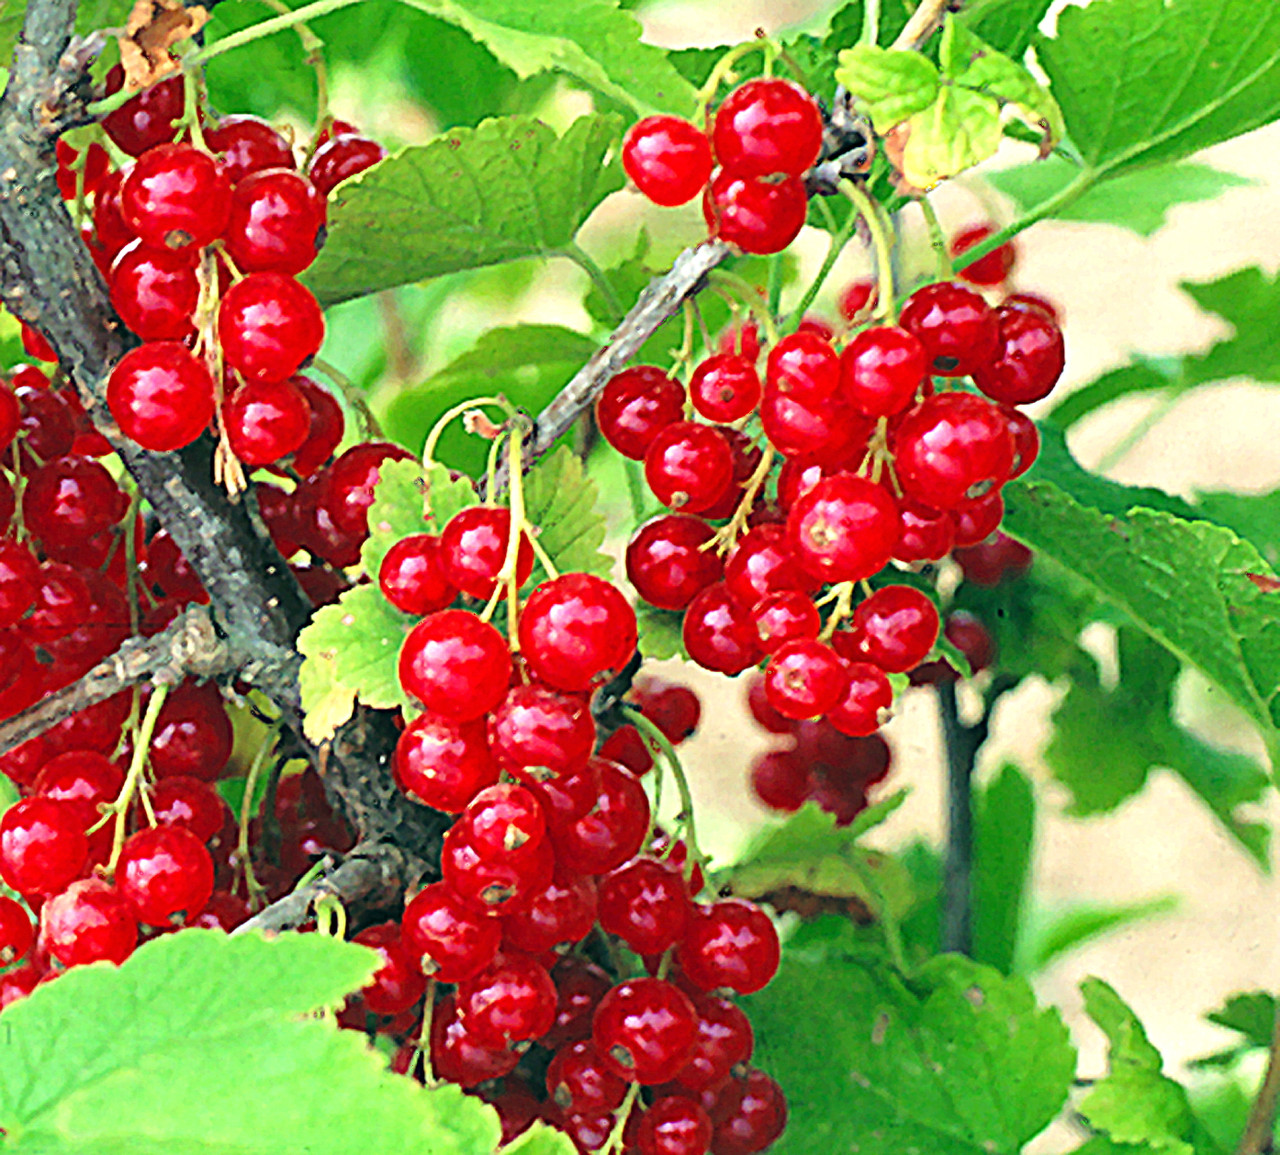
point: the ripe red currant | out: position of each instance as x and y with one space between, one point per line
155 291
456 665
895 628
534 726
165 874
269 325
275 222
635 406
161 395
266 420
994 268
473 549
725 388
952 448
803 367
175 196
88 922
688 466
844 528
881 370
340 158
758 216
718 633
247 144
575 628
645 1030
412 578
443 763
731 943
668 158
669 562
1028 360
445 938
767 126
954 324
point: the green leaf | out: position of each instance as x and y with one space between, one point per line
1142 375
540 1139
974 65
1186 583
1254 516
1139 201
1007 25
1247 300
560 499
1066 930
1004 829
890 85
957 1062
505 190
527 364
1252 1014
351 650
1144 81
1135 1103
201 1044
661 633
591 40
960 129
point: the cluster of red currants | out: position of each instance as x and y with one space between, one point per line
764 137
201 240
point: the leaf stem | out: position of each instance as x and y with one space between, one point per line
1067 195
937 238
924 20
834 249
870 23
584 260
264 28
137 765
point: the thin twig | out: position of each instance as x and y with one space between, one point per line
924 21
1256 1139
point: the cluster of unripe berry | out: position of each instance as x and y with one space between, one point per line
201 240
764 137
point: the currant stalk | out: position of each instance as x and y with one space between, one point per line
880 240
134 778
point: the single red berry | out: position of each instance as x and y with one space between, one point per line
193 735
397 983
753 1114
992 269
762 711
781 780
340 158
473 550
976 521
955 325
443 763
627 748
927 534
42 845
673 708
1026 440
269 325
855 298
731 943
952 448
456 665
412 577
669 560
718 633
511 1001
564 911
580 985
175 196
763 563
867 703
971 638
266 421
504 821
350 482
1028 360
895 628
493 886
805 679
72 170
47 427
612 830
725 387
635 406
575 628
17 935
161 395
447 940
725 1040
674 1125
767 126
668 158
19 580
881 370
782 617
566 796
83 779
458 1057
535 726
69 500
989 562
579 1081
646 904
327 427
645 1030
146 120
758 216
178 801
827 431
165 874
61 596
688 466
275 222
88 922
246 145
844 528
155 291
803 367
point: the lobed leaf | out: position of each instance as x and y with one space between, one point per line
560 499
890 85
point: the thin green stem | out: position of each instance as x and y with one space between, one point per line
137 766
773 293
313 46
747 294
613 1145
633 471
937 238
353 396
508 576
583 259
881 242
1066 196
1157 413
721 72
834 249
892 932
246 816
870 23
433 438
265 28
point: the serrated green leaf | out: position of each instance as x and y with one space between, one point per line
408 500
1004 826
1064 931
200 1043
890 85
960 129
1252 1014
973 64
959 1062
1135 1103
1247 300
1007 25
540 1139
1254 516
527 364
661 633
560 499
1143 81
593 41
350 651
507 189
1139 201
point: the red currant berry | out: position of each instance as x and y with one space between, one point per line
766 127
457 1057
146 120
827 431
669 560
193 736
397 983
17 935
473 549
994 268
895 628
445 938
580 986
781 780
803 367
855 298
71 499
782 617
805 679
47 426
927 534
536 726
566 796
165 874
635 406
762 711
175 196
718 633
668 158
990 562
161 395
275 222
758 216
42 845
725 388
327 427
490 886
504 821
83 779
645 1030
512 1001
266 421
724 1041
646 904
340 158
673 708
844 528
978 520
86 173
247 144
190 803
763 563
564 911
110 230
1028 360
575 628
155 291
674 1125
627 748
688 466
19 580
456 665
952 448
881 370
742 340
269 325
867 703
10 416
579 1081
18 983
754 1114
1026 440
954 324
443 763
971 638
613 830
730 944
351 480
412 577
88 922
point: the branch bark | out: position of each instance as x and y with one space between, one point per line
1256 1139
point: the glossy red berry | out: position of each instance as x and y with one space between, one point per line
646 904
895 628
674 1125
759 216
88 922
731 943
1026 440
781 780
718 633
967 633
782 617
612 830
146 120
867 702
1028 360
688 466
504 821
457 1056
954 324
535 726
412 577
397 983
763 563
724 1041
881 370
42 846
994 268
989 562
155 291
340 158
844 528
165 874
580 985
275 222
473 550
161 395
455 665
266 421
69 500
952 448
753 1114
673 708
443 763
16 932
350 482
635 406
269 326
19 580
828 431
627 748
493 886
645 1030
246 144
82 778
188 802
575 628
579 1081
445 938
61 597
767 126
668 158
803 367
669 560
804 679
511 1001
564 911
175 196
193 736
327 427
926 535
725 388
975 521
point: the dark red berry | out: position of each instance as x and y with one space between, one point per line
16 932
340 158
763 563
580 985
827 431
645 1030
161 395
975 521
579 1080
673 708
954 324
327 427
397 983
646 904
926 535
1029 357
457 1056
724 1041
855 298
612 830
994 268
535 726
753 1115
19 580
247 144
718 633
674 1125
193 736
490 886
146 120
443 763
348 490
952 448
668 158
266 420
781 780
447 940
1026 440
511 1001
971 638
989 562
178 801
275 222
688 466
69 500
627 748
767 126
881 370
564 911
867 702
575 628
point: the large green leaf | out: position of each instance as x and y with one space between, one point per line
1142 375
1139 201
1143 81
505 190
202 1044
957 1061
1004 832
1254 516
1007 25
